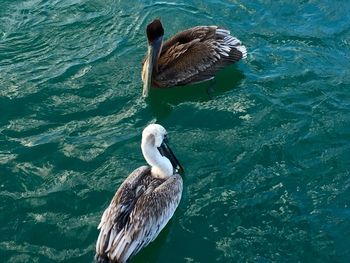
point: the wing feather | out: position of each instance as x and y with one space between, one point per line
147 216
196 55
151 213
115 216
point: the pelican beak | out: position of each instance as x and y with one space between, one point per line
153 53
165 150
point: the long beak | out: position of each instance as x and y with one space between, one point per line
153 52
165 150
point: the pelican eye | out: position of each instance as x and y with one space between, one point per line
165 138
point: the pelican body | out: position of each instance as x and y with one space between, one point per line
190 56
144 203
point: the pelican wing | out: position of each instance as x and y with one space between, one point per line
150 213
196 55
117 214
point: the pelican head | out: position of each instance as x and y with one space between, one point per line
157 153
155 34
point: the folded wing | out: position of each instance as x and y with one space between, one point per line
139 211
196 54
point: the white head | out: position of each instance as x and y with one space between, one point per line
157 153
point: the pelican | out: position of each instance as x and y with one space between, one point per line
144 203
191 56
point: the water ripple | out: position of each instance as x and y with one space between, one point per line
265 154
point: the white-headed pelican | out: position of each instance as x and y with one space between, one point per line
144 203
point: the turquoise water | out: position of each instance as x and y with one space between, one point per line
266 154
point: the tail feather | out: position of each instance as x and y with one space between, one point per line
230 42
102 259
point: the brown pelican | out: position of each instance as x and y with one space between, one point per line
144 203
191 56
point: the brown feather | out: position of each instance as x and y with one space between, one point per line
195 55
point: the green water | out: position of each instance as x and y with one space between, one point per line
267 154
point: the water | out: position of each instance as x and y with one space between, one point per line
266 154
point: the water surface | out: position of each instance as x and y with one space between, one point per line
266 153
